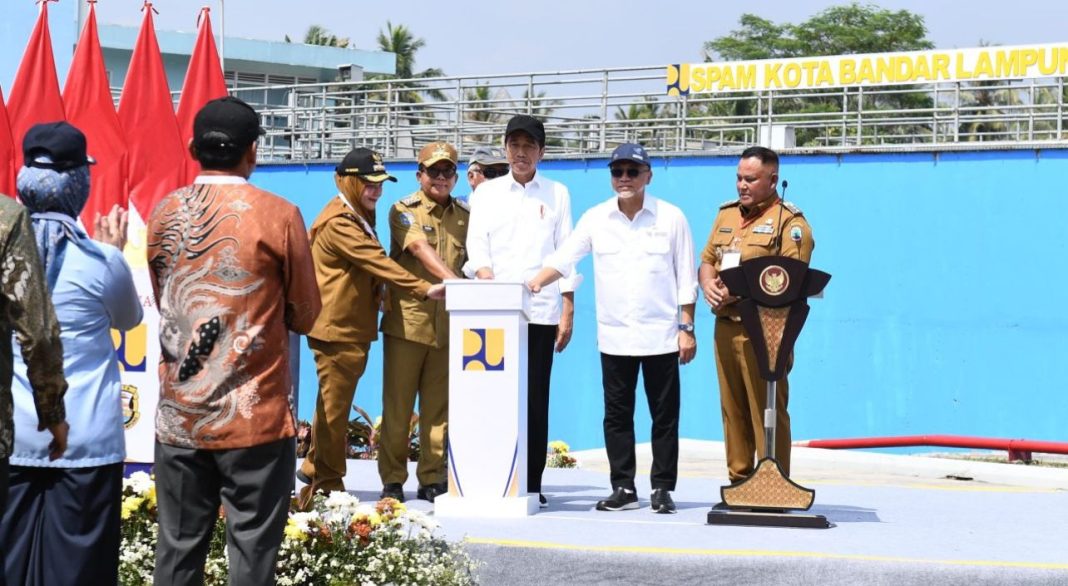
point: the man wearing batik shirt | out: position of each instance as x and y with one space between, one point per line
232 274
26 310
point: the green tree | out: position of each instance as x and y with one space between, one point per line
480 110
400 41
839 30
318 35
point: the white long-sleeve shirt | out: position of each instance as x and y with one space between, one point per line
643 271
513 228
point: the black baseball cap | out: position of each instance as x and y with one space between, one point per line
527 124
226 123
365 164
60 141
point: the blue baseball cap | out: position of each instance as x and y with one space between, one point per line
629 151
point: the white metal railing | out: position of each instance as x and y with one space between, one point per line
590 111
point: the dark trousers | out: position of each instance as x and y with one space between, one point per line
254 487
3 511
620 378
541 340
62 525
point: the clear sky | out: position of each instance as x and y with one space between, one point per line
473 37
478 36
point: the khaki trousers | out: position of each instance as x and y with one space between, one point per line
340 366
411 369
742 394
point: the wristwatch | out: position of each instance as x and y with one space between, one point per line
688 328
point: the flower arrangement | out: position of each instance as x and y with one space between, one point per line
340 541
559 456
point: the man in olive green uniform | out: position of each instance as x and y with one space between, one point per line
428 230
757 224
352 270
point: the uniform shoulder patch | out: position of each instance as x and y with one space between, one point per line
729 203
463 205
793 209
411 200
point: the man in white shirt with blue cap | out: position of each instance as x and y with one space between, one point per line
646 287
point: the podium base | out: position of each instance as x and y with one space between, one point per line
448 505
722 515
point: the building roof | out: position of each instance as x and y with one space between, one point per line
296 54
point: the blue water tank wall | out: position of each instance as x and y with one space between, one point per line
945 314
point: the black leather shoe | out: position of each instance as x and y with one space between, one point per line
430 492
393 490
621 499
543 503
661 501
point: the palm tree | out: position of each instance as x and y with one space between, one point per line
318 35
479 109
400 41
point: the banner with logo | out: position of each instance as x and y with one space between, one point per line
138 353
874 69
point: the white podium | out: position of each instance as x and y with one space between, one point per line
487 400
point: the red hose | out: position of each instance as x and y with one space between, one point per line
1017 448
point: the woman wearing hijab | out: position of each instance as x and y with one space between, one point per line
353 271
62 521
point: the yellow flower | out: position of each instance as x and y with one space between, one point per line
293 533
150 496
559 447
130 505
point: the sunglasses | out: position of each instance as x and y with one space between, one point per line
491 173
631 172
446 173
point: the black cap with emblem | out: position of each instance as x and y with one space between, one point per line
365 164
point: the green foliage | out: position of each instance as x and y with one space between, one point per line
838 30
318 35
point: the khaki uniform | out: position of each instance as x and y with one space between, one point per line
753 233
352 270
417 341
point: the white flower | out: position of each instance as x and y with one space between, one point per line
302 520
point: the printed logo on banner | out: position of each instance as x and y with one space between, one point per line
678 79
131 406
483 349
130 347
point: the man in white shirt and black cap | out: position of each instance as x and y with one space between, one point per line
516 221
646 287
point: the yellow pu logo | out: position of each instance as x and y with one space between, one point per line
483 349
678 79
130 347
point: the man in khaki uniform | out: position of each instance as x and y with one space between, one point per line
757 224
428 230
352 270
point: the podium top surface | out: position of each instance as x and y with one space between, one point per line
487 295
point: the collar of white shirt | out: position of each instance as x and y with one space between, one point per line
648 205
220 180
535 182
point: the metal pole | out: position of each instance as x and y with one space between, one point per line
222 35
769 421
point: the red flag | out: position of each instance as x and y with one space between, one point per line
87 98
156 156
204 82
7 152
35 94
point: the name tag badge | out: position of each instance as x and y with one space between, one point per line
765 229
731 259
